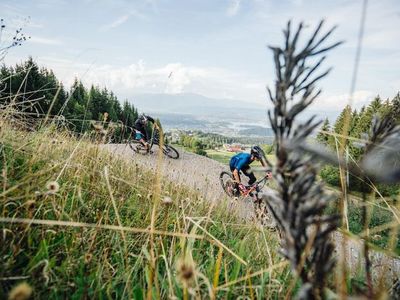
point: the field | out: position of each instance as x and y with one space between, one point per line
224 156
221 156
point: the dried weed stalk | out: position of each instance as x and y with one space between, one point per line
299 201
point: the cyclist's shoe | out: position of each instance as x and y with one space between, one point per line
236 190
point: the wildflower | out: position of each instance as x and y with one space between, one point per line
52 187
21 291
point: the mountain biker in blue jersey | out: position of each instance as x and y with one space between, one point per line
242 161
141 131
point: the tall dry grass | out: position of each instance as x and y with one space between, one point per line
78 222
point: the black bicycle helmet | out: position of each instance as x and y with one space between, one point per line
143 117
257 152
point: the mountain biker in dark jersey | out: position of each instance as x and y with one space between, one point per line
140 130
242 161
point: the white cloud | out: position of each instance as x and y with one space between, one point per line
45 41
172 78
121 20
233 8
338 102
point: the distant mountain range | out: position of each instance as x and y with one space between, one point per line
192 111
223 116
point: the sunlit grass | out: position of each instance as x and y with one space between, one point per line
92 238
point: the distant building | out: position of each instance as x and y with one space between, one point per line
234 147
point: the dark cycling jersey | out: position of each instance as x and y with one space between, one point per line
240 161
141 126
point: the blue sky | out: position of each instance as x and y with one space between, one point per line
216 48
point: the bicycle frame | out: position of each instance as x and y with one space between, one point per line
254 186
154 139
155 136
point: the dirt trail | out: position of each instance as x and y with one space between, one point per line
201 173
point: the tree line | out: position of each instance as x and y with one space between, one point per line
358 128
36 92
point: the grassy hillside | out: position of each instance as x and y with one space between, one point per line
224 156
104 228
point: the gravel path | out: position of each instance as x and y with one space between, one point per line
201 173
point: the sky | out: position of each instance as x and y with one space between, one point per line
215 48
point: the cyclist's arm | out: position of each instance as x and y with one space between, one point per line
151 119
239 165
265 165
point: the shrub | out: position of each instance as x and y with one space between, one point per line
330 175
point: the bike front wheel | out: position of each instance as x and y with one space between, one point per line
170 151
227 184
133 146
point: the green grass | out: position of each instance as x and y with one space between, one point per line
214 248
224 156
220 156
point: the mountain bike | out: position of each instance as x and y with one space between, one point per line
249 192
137 146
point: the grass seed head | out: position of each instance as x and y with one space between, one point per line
30 204
22 291
185 270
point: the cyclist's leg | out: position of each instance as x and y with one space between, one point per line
247 171
138 135
236 185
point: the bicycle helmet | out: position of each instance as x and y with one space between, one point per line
257 152
144 118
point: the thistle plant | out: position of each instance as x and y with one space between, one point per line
299 201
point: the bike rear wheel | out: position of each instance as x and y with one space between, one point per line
227 184
170 151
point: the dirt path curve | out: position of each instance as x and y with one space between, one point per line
195 171
201 173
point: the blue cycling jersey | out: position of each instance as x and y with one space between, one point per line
239 161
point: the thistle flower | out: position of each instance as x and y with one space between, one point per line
22 291
167 201
52 187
